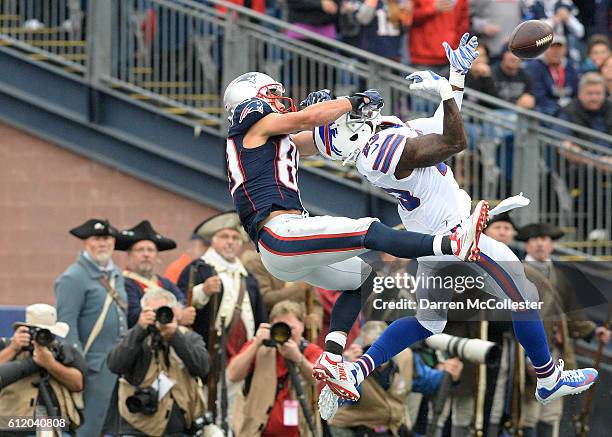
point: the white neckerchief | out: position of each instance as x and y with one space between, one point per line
231 274
543 266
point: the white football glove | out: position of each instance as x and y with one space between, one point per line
432 82
461 58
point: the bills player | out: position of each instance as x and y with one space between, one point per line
265 141
407 161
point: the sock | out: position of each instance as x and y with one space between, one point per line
403 244
345 312
335 342
397 337
529 331
442 245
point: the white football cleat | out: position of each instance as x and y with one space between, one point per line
465 238
337 375
328 403
570 382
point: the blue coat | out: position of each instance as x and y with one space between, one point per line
80 297
543 87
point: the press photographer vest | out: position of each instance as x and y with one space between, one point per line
19 398
187 393
378 407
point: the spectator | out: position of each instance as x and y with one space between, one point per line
382 23
381 408
153 352
511 82
480 77
493 21
318 16
195 249
561 15
91 298
59 361
143 244
433 22
606 73
268 388
273 291
224 290
598 51
591 108
553 77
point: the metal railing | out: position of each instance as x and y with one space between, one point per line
49 29
179 54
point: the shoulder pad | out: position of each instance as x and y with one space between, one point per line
247 114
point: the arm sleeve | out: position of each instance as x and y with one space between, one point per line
133 304
129 358
435 124
190 348
426 379
575 27
69 299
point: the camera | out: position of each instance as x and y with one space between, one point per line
42 336
205 426
280 332
467 349
164 315
144 401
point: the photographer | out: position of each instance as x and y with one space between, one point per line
267 404
36 356
161 364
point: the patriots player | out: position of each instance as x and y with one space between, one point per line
430 200
265 141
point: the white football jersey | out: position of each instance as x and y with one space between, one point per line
429 200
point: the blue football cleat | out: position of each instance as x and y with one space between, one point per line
570 382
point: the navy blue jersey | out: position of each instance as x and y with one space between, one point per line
263 179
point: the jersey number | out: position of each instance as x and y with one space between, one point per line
285 170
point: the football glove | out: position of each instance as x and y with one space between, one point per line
316 97
462 57
432 82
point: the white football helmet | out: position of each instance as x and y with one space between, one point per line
260 85
344 138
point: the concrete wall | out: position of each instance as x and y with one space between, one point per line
46 190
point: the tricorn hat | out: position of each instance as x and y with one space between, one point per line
225 220
534 230
143 231
94 227
503 217
44 316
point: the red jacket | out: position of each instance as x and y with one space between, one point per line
430 28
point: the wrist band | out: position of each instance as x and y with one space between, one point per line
446 91
456 79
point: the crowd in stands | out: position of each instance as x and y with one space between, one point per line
412 31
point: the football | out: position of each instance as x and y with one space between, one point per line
530 39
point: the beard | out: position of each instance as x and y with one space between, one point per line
101 258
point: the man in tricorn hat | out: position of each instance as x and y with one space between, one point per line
91 298
143 244
573 322
223 289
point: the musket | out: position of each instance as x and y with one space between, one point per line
311 336
581 421
192 272
223 382
438 402
213 353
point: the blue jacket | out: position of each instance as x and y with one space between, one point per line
79 300
135 293
548 98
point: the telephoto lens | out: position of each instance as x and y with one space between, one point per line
43 337
280 332
164 315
